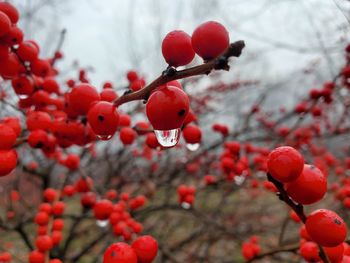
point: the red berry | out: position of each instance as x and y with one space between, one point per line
335 254
69 190
14 123
309 251
40 67
14 36
137 84
38 120
44 243
72 161
285 164
84 185
192 134
58 208
151 141
146 248
41 218
119 253
50 85
124 120
309 187
88 200
210 40
7 137
27 51
5 23
58 224
8 161
5 257
82 97
10 11
132 76
127 135
38 139
108 95
22 85
326 228
36 257
10 67
45 207
50 195
167 108
103 209
103 119
177 48
56 237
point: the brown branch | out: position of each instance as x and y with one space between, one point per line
59 46
298 209
219 63
289 248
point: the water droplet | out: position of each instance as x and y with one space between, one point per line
239 179
168 138
185 205
102 223
104 137
192 146
23 96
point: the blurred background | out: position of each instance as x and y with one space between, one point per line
292 46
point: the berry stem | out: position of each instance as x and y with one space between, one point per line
219 63
298 209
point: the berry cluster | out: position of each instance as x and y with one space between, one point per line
143 250
306 185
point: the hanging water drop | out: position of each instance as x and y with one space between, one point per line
192 146
104 137
168 138
22 96
185 205
239 179
102 223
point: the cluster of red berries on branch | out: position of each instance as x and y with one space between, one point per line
58 117
302 184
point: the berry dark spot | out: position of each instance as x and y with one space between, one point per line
337 221
181 112
39 145
113 254
100 118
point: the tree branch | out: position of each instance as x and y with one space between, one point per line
219 63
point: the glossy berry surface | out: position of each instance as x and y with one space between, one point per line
309 187
82 97
7 137
5 24
326 228
119 253
8 161
167 108
192 134
103 209
10 10
103 118
309 251
127 135
285 164
177 48
210 39
146 248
